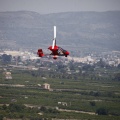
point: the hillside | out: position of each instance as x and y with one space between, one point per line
96 30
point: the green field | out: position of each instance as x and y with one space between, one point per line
84 97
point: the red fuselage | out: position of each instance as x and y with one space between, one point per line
56 51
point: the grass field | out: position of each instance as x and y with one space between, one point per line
83 96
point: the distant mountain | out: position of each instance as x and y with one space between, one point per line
74 29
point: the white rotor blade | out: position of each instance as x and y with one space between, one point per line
54 32
54 40
53 44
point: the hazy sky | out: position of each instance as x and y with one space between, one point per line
54 6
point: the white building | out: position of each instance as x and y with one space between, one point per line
8 75
46 86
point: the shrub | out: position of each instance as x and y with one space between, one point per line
102 111
13 107
1 117
92 103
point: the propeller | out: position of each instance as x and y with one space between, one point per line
54 40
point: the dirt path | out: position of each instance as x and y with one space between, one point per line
12 85
64 110
90 113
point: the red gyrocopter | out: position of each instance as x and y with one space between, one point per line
56 50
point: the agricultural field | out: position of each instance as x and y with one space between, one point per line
23 97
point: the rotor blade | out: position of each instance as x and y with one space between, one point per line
54 32
54 40
53 44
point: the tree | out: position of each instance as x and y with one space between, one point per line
43 109
96 93
102 111
118 66
92 103
4 107
101 63
1 117
13 107
117 77
6 58
19 59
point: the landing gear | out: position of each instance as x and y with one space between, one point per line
65 55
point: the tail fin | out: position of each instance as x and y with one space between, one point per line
54 40
40 53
